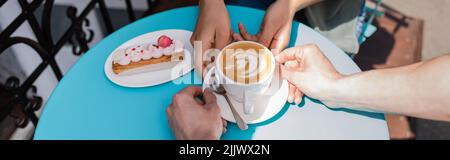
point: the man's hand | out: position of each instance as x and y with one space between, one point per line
310 72
213 29
192 119
419 90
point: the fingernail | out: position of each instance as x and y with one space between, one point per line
298 101
290 99
277 58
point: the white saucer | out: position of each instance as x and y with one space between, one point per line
273 100
153 77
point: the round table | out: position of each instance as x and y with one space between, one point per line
86 105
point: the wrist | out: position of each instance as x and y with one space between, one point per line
210 2
211 5
333 93
297 5
294 5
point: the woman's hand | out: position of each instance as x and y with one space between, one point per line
275 30
213 30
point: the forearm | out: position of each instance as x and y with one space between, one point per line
300 4
207 1
421 90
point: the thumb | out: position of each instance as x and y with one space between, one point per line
209 97
267 33
281 39
290 54
237 37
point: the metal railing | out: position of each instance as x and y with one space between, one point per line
78 35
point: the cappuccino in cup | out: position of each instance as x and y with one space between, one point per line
245 62
246 70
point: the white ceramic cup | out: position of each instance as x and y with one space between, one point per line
242 92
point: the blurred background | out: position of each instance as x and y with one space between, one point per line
41 39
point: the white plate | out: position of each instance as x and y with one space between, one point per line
154 77
274 103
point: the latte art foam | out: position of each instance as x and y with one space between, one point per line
246 64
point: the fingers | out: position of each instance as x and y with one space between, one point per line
237 37
293 76
206 46
224 125
199 101
291 94
194 35
245 34
222 39
292 64
267 34
277 45
200 49
298 96
169 114
281 39
192 39
224 130
285 72
192 91
169 111
209 97
290 54
295 95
